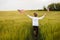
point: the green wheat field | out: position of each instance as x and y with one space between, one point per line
17 26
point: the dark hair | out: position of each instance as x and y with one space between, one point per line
35 14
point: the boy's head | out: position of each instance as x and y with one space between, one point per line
35 14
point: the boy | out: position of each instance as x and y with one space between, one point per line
35 23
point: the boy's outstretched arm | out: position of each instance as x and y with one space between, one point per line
42 16
29 15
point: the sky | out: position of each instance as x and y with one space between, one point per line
25 4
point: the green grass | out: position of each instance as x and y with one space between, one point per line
16 26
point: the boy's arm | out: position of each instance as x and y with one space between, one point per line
42 16
29 16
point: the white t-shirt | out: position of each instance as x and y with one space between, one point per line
35 20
